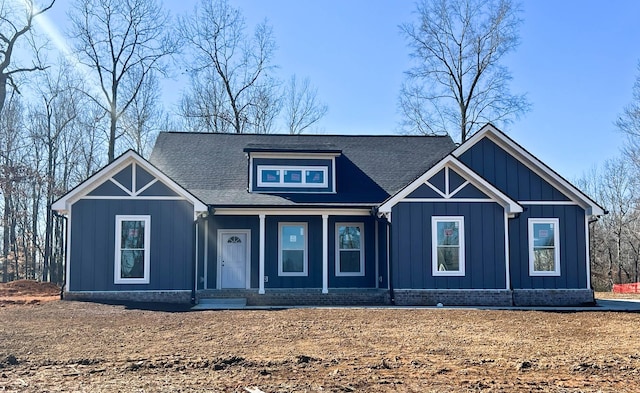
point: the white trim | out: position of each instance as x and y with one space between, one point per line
460 187
137 198
284 155
434 188
118 279
325 253
196 252
376 245
534 164
146 186
305 256
261 256
506 252
247 262
450 161
63 205
333 175
549 203
206 255
256 211
435 269
120 186
250 173
303 169
556 246
474 200
338 273
588 249
67 257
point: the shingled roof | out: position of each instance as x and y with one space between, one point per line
214 167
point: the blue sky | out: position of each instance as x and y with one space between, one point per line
577 63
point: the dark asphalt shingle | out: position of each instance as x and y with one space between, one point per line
214 167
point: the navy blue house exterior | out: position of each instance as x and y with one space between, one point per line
327 219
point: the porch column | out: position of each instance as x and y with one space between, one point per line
325 253
261 256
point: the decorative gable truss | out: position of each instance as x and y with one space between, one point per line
451 181
128 177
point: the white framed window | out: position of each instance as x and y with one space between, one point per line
293 176
133 234
447 245
544 247
292 249
349 249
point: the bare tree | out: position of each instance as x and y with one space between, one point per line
302 108
51 121
122 42
216 34
16 20
458 81
203 107
141 121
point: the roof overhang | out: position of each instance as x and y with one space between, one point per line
63 205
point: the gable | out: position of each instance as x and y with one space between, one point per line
128 177
451 181
518 173
508 174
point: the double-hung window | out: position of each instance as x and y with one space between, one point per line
292 249
349 249
133 234
447 246
544 247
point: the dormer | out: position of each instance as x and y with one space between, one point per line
292 169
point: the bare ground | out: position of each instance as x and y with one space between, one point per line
86 347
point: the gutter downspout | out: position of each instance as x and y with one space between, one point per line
195 263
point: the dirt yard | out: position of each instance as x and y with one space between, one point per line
57 346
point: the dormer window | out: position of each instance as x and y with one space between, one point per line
293 176
292 169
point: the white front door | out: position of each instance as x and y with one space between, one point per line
233 259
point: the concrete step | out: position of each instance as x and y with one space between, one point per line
220 304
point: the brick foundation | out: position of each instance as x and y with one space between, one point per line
452 297
553 297
131 296
359 297
304 297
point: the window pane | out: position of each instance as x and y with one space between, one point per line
293 176
132 235
350 261
270 176
315 177
293 237
349 238
448 233
448 259
543 234
543 259
293 261
132 264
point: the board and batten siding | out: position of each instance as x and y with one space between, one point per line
215 223
485 265
508 174
573 267
93 244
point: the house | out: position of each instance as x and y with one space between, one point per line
328 219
